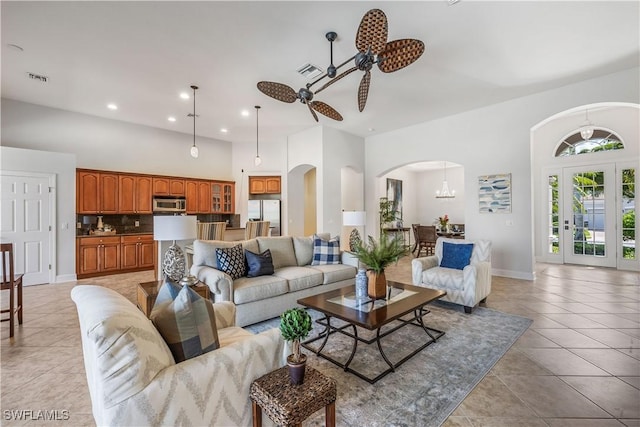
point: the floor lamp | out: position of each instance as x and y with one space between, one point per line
354 219
172 228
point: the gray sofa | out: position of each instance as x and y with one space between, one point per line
265 297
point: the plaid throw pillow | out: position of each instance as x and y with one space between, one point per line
231 261
185 320
326 251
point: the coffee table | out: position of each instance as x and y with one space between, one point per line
402 299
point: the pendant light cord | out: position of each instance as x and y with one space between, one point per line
194 114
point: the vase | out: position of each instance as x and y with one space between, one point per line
361 284
377 285
296 369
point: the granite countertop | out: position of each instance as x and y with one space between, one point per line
115 235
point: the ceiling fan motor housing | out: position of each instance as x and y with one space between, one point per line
305 95
364 60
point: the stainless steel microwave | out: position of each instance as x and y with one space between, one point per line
169 204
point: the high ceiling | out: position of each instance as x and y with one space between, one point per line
141 55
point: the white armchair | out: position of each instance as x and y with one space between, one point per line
469 286
134 380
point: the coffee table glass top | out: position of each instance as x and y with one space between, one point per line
367 304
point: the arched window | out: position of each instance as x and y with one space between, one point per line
601 140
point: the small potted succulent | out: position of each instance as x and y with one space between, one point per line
295 325
376 256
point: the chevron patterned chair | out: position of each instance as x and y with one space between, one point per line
134 380
467 286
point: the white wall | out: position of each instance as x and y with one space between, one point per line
105 144
64 167
429 208
489 140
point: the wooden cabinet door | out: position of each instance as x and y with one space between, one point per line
110 257
191 193
88 259
127 193
144 196
129 255
228 198
108 193
272 185
204 197
216 197
146 251
257 185
161 186
87 185
176 187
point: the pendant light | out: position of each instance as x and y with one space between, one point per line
194 149
257 161
586 130
445 193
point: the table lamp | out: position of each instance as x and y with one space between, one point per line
354 219
179 227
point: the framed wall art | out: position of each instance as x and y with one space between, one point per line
394 195
494 193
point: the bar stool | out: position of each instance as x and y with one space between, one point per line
12 283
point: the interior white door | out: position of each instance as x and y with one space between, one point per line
25 222
590 215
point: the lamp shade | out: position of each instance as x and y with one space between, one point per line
179 227
354 218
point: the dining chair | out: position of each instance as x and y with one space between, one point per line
13 283
256 228
211 230
426 239
414 228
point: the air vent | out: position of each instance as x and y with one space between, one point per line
38 77
309 71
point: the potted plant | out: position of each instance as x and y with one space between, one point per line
376 256
387 214
295 325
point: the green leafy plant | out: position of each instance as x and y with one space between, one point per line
377 255
295 325
387 214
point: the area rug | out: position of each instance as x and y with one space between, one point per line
426 389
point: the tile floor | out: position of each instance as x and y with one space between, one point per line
577 365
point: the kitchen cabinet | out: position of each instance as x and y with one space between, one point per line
204 197
97 255
168 186
134 194
191 195
96 192
137 251
264 185
223 195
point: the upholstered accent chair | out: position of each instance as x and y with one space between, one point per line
468 286
134 380
255 229
211 230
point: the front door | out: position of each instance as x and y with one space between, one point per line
25 222
589 215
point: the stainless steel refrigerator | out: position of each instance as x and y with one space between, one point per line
266 210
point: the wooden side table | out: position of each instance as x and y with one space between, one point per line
148 292
289 405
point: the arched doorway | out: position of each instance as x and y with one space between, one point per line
302 211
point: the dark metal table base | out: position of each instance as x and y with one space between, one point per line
329 329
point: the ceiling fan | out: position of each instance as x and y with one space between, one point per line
373 48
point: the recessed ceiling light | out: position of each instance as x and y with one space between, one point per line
245 113
371 129
184 95
224 130
171 119
112 106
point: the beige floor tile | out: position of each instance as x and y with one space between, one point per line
541 321
634 381
577 307
563 362
612 361
612 338
633 352
532 339
612 320
612 394
611 307
582 422
507 422
574 320
630 423
569 338
515 362
550 397
455 421
634 332
491 398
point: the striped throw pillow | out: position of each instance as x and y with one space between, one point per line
185 320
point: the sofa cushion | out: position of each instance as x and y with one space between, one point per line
204 251
443 278
247 289
185 320
335 272
456 255
259 264
281 250
231 261
326 251
232 335
300 277
303 246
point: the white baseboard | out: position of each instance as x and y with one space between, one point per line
66 278
513 274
